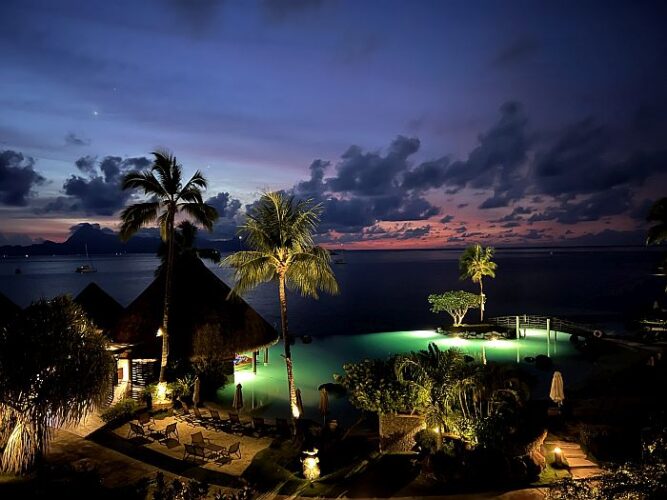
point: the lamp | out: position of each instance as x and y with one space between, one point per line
558 457
311 468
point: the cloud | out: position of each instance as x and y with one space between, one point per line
517 51
99 192
594 207
17 178
71 139
229 215
366 187
447 218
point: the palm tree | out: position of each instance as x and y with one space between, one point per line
55 367
475 263
658 213
279 232
185 237
168 197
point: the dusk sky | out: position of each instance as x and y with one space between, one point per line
416 123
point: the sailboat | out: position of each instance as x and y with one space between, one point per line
86 268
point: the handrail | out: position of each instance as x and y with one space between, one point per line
534 321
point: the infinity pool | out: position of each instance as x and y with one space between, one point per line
315 363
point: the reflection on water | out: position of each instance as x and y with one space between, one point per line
314 364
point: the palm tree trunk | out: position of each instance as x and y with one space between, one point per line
167 299
288 348
481 301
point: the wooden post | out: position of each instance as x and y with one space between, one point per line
254 361
518 330
266 356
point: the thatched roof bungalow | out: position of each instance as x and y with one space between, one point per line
202 319
100 307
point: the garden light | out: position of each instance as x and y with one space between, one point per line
311 468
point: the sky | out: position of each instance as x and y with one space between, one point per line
417 124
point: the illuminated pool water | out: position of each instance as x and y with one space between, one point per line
315 363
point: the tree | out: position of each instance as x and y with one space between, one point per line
475 263
279 232
54 368
168 197
658 213
185 237
456 303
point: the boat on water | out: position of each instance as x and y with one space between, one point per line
86 268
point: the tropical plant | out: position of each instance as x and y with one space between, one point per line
456 303
475 264
167 198
279 232
54 368
185 237
123 409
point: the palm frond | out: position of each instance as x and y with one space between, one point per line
310 271
204 214
168 171
136 216
145 181
251 268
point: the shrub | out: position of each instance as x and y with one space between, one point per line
426 440
122 410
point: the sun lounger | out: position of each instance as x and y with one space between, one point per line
136 430
198 439
145 420
234 451
170 431
198 452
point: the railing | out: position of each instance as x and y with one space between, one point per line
525 321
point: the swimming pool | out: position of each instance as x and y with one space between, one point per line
315 364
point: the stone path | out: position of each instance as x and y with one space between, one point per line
580 466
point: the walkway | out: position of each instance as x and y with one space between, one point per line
580 466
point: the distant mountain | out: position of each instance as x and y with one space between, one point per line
103 241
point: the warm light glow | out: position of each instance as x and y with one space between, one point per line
557 450
295 411
311 469
436 430
160 332
161 392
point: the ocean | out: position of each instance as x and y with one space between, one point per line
387 290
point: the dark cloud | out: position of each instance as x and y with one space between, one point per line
99 193
428 175
414 233
447 218
17 178
366 187
72 139
229 215
517 51
591 208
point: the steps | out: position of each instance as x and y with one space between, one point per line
579 465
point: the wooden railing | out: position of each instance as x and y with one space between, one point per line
525 321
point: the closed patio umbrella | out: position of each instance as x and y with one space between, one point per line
196 392
557 392
299 402
324 403
237 404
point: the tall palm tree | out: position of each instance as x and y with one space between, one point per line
168 197
475 263
658 213
185 238
279 231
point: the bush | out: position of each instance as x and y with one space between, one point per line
608 443
122 410
426 440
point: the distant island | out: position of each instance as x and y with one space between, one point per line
102 241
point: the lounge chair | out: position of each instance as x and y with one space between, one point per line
259 426
190 418
145 420
136 430
216 421
198 452
201 419
199 440
234 451
169 431
235 423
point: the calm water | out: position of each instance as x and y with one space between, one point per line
386 291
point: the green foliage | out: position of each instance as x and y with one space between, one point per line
182 387
658 213
475 264
426 440
372 385
630 481
54 368
455 302
123 410
185 238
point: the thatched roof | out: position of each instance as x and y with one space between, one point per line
8 310
202 319
101 307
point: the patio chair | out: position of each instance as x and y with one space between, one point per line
234 451
235 423
259 426
136 430
198 417
169 431
216 421
145 420
189 418
198 452
198 439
